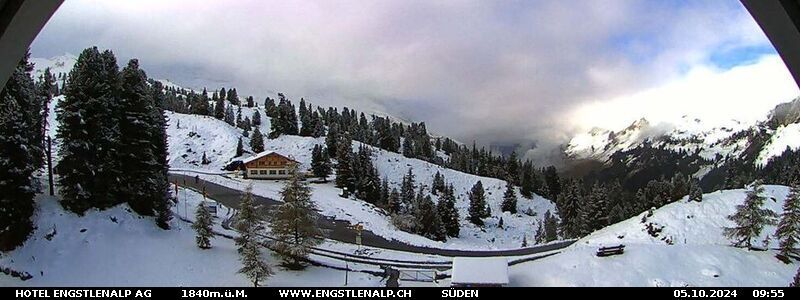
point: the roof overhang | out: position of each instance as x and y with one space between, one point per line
780 21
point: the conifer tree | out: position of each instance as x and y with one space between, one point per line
19 149
219 107
438 183
230 117
526 186
202 226
695 192
407 191
448 212
428 219
233 97
539 235
788 232
796 281
512 168
345 177
257 141
256 120
332 140
88 133
204 160
509 199
294 224
320 162
550 227
477 204
239 148
393 202
248 243
750 218
137 151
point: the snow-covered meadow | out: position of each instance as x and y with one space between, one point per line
219 141
699 254
116 247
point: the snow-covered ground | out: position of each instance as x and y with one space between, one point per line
219 141
700 254
115 247
784 137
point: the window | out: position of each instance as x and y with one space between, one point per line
282 172
253 172
263 172
272 172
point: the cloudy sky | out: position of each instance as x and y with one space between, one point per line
492 71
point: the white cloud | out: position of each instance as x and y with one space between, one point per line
744 93
506 71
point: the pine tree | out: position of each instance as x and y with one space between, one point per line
695 192
526 187
160 175
593 213
512 168
294 224
202 226
539 235
438 183
332 140
204 160
249 240
796 281
509 199
256 120
219 106
239 148
680 186
750 218
345 177
233 97
788 232
137 151
19 149
320 162
88 132
550 227
477 204
257 141
448 213
428 219
394 203
407 192
230 117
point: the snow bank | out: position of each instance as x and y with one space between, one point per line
699 256
115 247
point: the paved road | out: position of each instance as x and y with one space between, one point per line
339 231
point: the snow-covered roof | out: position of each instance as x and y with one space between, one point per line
263 154
480 270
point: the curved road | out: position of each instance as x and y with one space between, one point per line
339 230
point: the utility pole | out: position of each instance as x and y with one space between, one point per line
50 166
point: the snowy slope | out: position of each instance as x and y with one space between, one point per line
393 166
61 64
784 137
115 247
219 140
687 134
699 256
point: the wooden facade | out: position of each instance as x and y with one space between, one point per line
268 165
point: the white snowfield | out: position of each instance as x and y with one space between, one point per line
700 254
115 247
784 137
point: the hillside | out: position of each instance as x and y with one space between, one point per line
698 256
115 247
198 132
